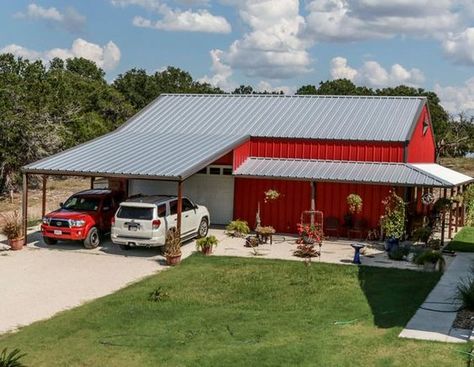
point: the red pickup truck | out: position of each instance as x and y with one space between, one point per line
86 216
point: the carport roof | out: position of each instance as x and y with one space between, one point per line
400 174
165 156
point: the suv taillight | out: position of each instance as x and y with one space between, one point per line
156 223
112 221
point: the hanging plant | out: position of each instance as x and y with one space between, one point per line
271 195
354 202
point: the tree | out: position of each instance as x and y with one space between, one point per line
243 89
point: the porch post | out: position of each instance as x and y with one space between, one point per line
179 207
450 229
24 206
443 219
92 182
313 200
463 207
43 199
456 213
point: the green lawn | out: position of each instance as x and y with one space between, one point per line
463 241
224 311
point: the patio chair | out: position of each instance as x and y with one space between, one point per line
358 229
331 225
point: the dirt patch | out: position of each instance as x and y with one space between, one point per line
464 320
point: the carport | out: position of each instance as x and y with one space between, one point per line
130 154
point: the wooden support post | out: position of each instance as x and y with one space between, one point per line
179 209
456 213
43 198
450 219
313 201
443 219
92 182
463 207
24 206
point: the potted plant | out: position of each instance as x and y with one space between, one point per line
309 234
206 244
429 259
12 228
264 233
173 247
393 222
354 202
237 228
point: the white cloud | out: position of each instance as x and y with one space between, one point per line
200 20
344 20
460 46
188 21
457 99
70 19
372 74
265 86
221 73
272 47
106 57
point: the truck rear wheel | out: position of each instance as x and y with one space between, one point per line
93 239
50 241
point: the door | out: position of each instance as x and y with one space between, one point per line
187 217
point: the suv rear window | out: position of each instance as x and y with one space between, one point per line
135 212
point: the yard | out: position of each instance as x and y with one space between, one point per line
463 241
235 311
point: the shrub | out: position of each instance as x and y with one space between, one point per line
158 295
206 242
434 244
422 234
393 221
430 256
442 204
396 254
12 226
468 197
238 228
173 243
11 359
465 293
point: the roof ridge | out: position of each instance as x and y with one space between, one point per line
347 96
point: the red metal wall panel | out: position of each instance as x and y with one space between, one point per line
421 148
241 153
225 159
285 213
318 149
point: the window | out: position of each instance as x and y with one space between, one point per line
134 212
187 205
107 203
161 210
82 203
227 171
203 171
214 170
173 207
426 124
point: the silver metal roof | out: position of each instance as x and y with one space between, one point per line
313 117
173 156
400 174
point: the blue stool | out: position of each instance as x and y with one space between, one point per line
357 247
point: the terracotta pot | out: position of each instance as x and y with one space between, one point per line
16 243
173 260
206 250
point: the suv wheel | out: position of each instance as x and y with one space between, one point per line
203 228
93 239
50 241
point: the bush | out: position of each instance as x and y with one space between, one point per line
434 244
468 197
11 359
206 242
430 256
422 234
465 293
12 226
396 254
238 228
158 295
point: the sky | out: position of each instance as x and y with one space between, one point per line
269 44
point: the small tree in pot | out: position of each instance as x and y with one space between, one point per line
206 244
12 228
173 247
393 222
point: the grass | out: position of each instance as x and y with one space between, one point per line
223 311
463 241
463 165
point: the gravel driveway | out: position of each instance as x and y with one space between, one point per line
41 280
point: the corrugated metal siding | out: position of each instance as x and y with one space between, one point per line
421 148
330 150
283 214
312 117
343 171
172 156
241 153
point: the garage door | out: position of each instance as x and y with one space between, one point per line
213 187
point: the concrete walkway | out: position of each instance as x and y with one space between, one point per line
435 317
40 281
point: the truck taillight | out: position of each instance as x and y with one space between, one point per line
113 220
156 224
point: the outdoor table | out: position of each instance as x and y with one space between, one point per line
357 247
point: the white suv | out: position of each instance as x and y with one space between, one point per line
145 221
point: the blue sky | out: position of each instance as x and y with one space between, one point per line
270 44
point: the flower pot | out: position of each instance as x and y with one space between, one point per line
207 250
308 240
391 244
16 243
173 260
